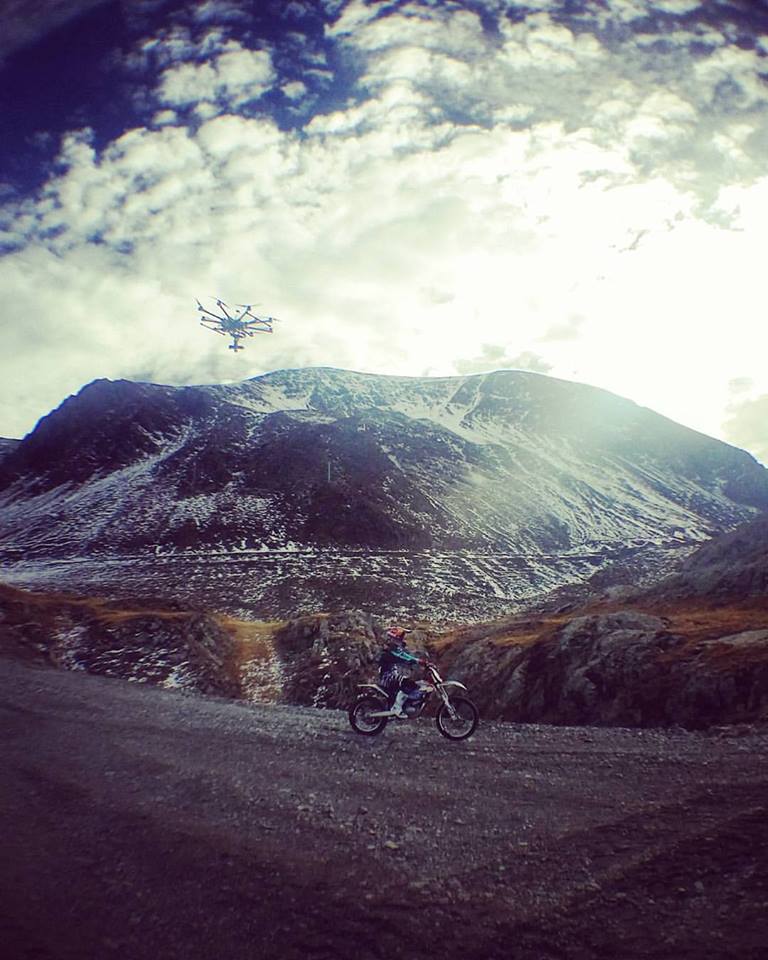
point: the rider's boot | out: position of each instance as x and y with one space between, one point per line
397 706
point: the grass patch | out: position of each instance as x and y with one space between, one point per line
253 639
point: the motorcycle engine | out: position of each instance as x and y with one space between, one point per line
414 703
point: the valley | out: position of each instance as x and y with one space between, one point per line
438 586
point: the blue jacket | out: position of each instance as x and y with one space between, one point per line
393 659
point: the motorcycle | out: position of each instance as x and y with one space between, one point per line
456 716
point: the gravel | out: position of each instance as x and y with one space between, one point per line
145 823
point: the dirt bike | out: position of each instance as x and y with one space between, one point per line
456 717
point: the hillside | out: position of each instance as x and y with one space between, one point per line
660 657
451 498
691 650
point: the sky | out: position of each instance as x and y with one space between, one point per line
413 187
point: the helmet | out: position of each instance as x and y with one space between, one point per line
396 636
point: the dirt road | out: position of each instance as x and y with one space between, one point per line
139 823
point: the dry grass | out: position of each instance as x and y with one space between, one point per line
253 639
697 623
708 624
705 630
105 611
511 632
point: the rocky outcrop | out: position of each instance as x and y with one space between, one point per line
311 661
324 658
314 660
621 668
175 649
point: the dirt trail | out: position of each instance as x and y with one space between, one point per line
140 823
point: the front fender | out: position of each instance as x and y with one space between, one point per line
453 683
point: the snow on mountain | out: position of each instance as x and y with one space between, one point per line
455 496
6 446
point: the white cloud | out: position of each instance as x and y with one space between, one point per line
734 73
294 90
164 118
354 15
218 11
451 31
677 6
539 42
625 11
745 425
538 197
495 357
234 76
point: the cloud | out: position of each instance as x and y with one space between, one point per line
568 330
746 426
232 78
294 89
677 7
544 193
740 385
495 357
219 11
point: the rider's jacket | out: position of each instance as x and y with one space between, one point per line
393 663
394 656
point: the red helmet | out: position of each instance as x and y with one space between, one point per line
396 635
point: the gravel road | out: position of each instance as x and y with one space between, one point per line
140 823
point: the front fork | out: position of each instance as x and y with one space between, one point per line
446 700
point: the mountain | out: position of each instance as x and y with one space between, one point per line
312 489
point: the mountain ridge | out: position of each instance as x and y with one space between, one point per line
488 469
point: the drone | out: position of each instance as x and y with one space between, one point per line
238 324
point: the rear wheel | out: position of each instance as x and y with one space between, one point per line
360 715
463 724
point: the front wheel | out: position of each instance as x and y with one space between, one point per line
360 715
463 724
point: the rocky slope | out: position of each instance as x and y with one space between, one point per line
172 648
692 650
731 568
455 498
312 661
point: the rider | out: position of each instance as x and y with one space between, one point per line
394 661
